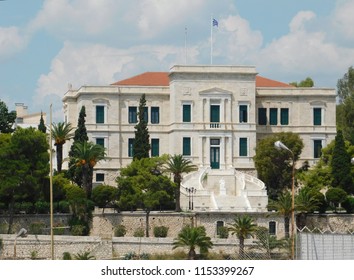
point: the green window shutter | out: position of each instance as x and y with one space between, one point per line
155 115
273 116
186 146
214 113
132 115
186 113
130 147
243 147
284 116
243 117
317 148
99 114
317 116
155 147
262 116
100 141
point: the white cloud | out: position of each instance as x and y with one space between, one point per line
343 20
11 41
298 23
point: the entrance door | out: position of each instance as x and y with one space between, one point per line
214 157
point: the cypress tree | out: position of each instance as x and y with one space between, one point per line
41 126
341 165
141 145
80 135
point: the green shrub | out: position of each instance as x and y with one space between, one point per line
42 207
63 206
3 228
84 256
160 231
139 232
78 230
120 231
223 232
135 256
27 207
348 204
58 230
67 256
36 228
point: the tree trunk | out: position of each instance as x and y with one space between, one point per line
11 215
242 248
192 254
147 225
178 197
59 157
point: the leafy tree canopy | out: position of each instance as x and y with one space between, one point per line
7 119
308 82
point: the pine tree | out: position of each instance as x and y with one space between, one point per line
74 173
41 126
141 145
341 165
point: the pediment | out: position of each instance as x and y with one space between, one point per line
215 92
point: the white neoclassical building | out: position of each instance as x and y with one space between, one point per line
213 115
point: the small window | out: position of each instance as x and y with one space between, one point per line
219 225
100 141
99 177
155 147
272 228
273 116
317 148
243 147
130 147
186 149
317 116
284 116
186 113
262 116
146 114
155 115
243 117
214 141
132 115
99 114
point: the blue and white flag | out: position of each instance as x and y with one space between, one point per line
215 22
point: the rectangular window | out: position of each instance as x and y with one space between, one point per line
130 147
243 118
146 114
100 141
155 115
243 147
99 177
272 228
262 116
273 116
132 115
317 148
317 116
99 114
155 147
186 146
186 113
284 116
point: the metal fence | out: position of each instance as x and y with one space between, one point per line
317 245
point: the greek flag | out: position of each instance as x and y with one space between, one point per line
215 22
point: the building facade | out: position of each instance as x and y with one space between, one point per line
213 115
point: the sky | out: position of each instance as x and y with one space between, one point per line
47 45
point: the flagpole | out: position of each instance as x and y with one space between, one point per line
211 40
185 45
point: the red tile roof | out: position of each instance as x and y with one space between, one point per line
162 79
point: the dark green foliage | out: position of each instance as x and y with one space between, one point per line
42 207
160 231
283 204
67 256
120 231
334 196
341 166
37 228
193 237
103 195
135 256
223 232
74 172
84 256
139 232
7 119
58 228
348 204
41 126
308 82
141 145
274 166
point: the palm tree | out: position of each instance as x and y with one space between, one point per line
61 132
305 202
86 156
283 207
242 227
193 237
177 165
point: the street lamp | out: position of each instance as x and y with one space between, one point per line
191 191
352 160
280 146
